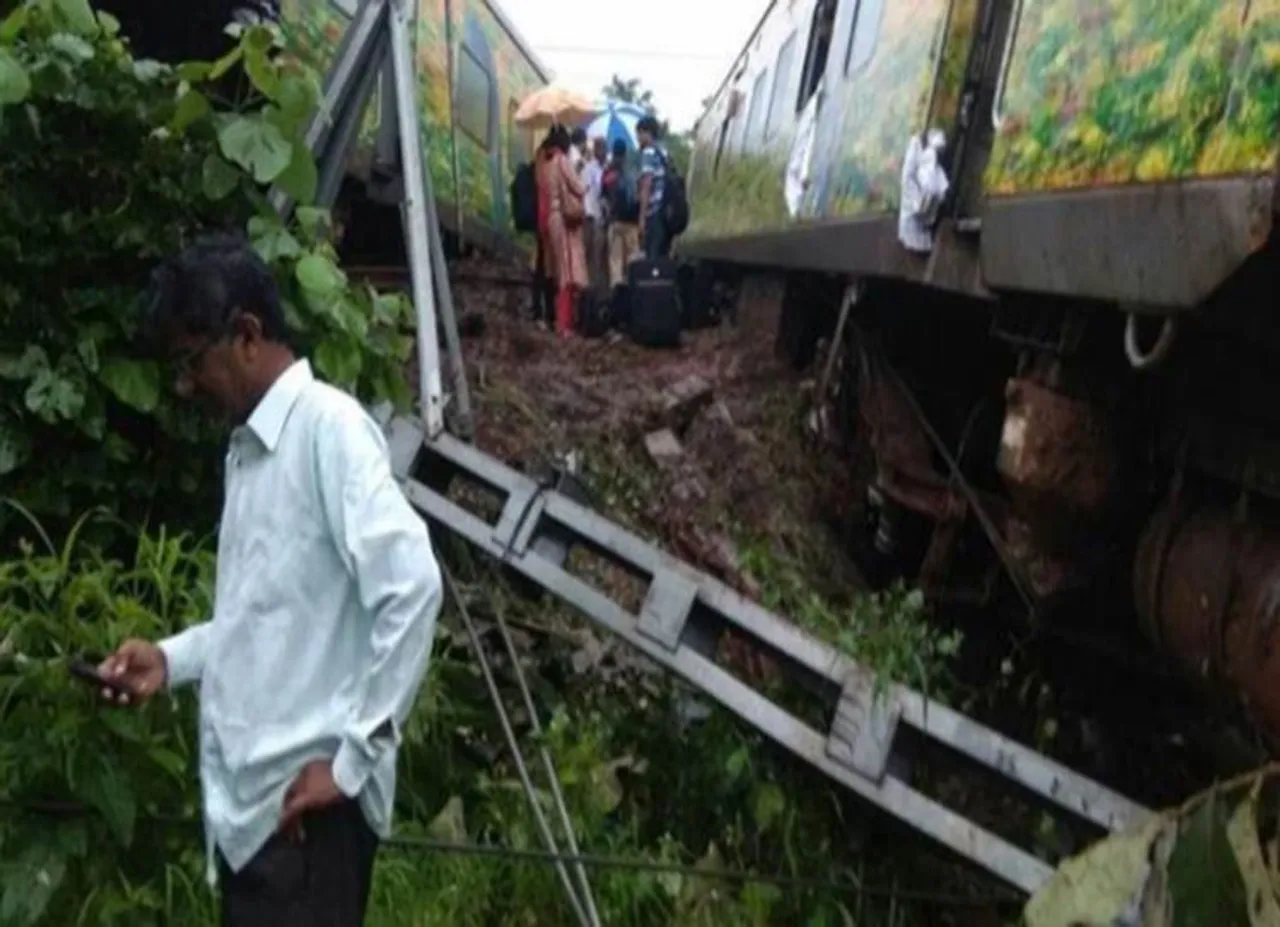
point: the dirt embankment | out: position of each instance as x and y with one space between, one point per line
701 448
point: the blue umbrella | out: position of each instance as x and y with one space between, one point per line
616 121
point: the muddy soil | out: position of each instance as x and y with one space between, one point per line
735 466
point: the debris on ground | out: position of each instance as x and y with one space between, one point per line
663 447
700 449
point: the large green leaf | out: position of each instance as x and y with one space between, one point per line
300 177
339 360
1201 864
15 85
53 396
1096 888
297 97
73 47
1260 885
272 240
1204 879
23 366
78 16
29 884
262 74
192 107
136 383
313 221
319 275
256 145
217 177
13 24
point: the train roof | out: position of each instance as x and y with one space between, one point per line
525 48
738 59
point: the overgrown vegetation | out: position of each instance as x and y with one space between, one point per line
744 195
1215 860
107 164
110 163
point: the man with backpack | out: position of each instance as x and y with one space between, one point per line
622 213
663 206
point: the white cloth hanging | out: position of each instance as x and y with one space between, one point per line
800 164
924 188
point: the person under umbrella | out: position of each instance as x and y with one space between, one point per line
563 192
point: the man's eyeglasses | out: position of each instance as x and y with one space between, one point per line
188 361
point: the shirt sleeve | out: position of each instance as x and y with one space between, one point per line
184 655
649 163
385 546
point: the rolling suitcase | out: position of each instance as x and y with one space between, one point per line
654 303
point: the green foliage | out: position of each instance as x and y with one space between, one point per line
99 806
107 165
1215 860
744 194
628 90
57 750
889 632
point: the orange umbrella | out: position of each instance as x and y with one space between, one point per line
550 105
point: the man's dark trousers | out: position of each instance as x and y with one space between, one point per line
657 243
321 880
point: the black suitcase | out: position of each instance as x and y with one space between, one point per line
653 303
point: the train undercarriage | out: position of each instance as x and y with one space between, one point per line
1109 479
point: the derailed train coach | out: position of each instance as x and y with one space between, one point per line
1067 390
473 69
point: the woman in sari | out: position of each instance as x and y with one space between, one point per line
565 253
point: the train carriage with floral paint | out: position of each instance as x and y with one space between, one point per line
1068 389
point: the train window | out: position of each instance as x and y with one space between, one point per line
866 32
346 6
816 55
781 85
755 112
474 89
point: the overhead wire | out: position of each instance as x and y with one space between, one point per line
427 845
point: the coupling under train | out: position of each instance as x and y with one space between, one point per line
1070 394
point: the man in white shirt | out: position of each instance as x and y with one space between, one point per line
578 150
594 238
326 599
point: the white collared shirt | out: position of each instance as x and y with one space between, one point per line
325 608
592 177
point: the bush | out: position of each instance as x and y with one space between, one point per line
59 755
107 165
99 806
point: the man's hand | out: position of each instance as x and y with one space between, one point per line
313 789
137 666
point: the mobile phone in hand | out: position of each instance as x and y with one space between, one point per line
88 673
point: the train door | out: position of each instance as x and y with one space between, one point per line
977 109
809 104
821 32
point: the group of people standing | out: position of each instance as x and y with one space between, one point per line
596 213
